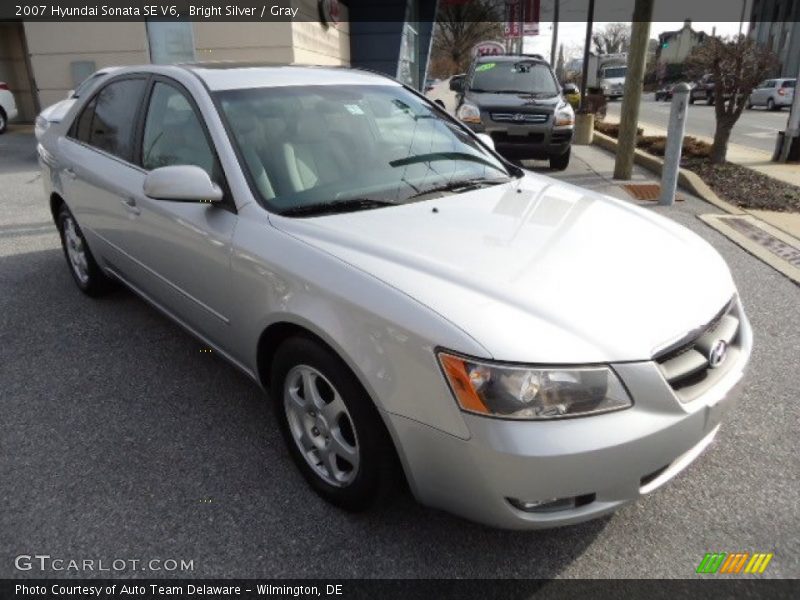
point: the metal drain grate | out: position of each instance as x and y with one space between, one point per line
778 247
646 191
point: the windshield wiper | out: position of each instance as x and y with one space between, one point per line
423 158
337 206
461 185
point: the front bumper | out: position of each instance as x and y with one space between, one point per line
607 460
526 141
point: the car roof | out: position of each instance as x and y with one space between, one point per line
510 58
227 75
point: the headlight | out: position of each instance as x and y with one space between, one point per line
469 113
565 116
40 125
513 392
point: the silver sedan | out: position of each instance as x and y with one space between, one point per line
521 352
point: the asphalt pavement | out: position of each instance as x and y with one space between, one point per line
119 439
756 128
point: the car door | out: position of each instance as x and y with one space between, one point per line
98 176
765 91
184 247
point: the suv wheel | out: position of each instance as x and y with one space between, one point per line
709 99
334 432
87 274
770 104
561 161
3 121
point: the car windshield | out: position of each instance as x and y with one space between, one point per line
320 149
526 77
615 72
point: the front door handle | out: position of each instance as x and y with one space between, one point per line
129 202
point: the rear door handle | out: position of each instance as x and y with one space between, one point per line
70 173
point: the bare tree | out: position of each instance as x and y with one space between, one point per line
737 65
460 24
613 38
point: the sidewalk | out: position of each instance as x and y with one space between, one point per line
757 160
592 167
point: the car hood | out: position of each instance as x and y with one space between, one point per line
537 270
517 101
55 113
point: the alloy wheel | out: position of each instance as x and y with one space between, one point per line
76 250
321 425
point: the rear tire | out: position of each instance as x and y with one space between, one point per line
84 269
770 104
560 162
691 98
3 121
709 99
333 431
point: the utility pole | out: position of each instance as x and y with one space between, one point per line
586 48
792 125
555 34
632 94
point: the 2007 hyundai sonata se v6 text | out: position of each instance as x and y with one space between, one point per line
522 352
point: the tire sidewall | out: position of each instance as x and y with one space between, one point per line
97 282
373 452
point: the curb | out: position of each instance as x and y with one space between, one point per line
686 179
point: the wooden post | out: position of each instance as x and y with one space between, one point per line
632 95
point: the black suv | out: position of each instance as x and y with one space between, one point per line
518 101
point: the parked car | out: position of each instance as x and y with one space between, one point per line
518 101
442 95
8 106
773 94
414 304
55 112
664 92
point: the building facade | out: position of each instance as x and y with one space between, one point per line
43 61
675 46
775 24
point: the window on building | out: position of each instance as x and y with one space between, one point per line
170 42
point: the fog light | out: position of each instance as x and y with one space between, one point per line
551 504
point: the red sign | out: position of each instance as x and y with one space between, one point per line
525 12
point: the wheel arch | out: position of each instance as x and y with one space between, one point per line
56 202
281 330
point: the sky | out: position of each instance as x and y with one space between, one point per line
573 34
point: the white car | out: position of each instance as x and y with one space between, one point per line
442 95
525 352
8 107
55 112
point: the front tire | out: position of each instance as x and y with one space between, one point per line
332 429
88 276
560 162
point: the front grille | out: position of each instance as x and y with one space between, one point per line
519 117
686 364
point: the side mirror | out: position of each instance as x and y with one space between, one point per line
486 139
457 83
184 183
570 88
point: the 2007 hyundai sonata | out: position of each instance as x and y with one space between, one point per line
524 352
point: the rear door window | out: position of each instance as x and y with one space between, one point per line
114 119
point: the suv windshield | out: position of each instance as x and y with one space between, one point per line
322 149
615 72
526 77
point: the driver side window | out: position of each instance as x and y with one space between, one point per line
173 133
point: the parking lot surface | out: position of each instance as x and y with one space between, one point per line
119 439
